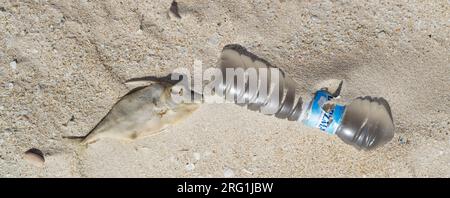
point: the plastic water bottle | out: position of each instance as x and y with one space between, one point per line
365 123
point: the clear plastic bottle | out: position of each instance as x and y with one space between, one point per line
365 123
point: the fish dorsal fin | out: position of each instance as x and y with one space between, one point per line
147 80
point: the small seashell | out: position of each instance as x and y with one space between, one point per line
35 157
228 172
247 171
190 167
196 156
402 140
174 11
9 86
13 65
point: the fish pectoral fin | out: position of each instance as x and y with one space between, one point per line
147 80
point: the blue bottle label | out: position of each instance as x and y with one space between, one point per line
326 117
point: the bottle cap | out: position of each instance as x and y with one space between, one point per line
367 123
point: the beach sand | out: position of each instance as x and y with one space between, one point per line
63 65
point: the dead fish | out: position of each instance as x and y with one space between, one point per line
144 111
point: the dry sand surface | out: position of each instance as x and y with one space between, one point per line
63 65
